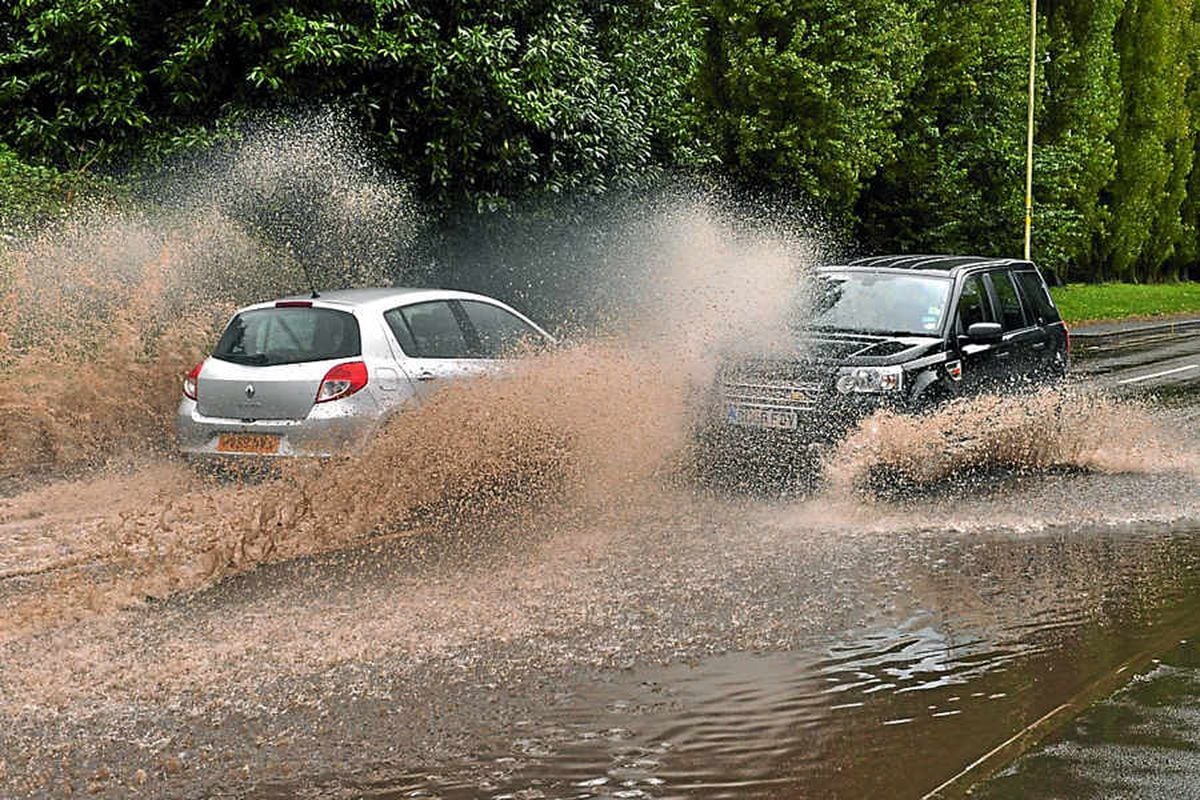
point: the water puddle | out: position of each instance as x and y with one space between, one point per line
891 711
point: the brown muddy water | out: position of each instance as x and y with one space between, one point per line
525 588
679 644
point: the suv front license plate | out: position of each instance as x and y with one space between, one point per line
259 443
777 419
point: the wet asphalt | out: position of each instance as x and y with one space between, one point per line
1142 742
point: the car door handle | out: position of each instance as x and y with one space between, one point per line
1003 353
1039 345
425 377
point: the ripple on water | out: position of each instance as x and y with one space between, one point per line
841 721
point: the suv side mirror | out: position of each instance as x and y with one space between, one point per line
985 332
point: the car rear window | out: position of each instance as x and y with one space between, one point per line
1011 312
270 336
1034 289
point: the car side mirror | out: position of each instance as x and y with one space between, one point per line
985 332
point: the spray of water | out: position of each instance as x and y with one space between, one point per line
104 310
591 425
969 439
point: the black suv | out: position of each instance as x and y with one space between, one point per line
902 332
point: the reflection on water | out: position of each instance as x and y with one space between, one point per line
890 711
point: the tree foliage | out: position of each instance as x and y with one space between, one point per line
902 120
1153 140
1079 104
804 94
475 101
957 176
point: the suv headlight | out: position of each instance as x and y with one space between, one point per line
870 379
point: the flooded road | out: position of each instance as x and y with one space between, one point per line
684 645
523 590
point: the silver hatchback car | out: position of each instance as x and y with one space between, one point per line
319 376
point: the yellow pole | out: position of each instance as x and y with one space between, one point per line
1029 128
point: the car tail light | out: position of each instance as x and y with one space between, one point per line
191 382
342 381
1067 331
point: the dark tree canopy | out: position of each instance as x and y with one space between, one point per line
901 121
473 100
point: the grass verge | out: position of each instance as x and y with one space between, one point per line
1081 302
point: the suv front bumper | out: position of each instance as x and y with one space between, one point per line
819 418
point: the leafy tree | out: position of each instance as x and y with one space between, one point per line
1186 261
477 101
804 94
955 183
72 85
1153 139
1078 109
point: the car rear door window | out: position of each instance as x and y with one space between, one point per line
1011 313
289 335
1037 297
430 330
395 321
500 332
974 304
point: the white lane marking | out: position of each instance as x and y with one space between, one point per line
1141 378
995 750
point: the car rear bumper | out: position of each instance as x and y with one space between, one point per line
328 430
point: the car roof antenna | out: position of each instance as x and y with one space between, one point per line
311 283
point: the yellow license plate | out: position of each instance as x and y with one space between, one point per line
260 443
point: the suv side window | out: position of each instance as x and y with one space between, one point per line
500 333
973 304
429 330
1011 313
1037 296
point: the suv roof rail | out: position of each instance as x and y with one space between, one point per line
938 262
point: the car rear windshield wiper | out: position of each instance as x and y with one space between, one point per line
252 359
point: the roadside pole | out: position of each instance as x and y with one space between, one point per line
1029 127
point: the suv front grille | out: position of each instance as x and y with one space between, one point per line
794 396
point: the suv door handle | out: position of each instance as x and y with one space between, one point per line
425 377
1003 353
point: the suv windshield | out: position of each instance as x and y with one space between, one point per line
268 336
879 302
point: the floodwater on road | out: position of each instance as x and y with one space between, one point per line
684 643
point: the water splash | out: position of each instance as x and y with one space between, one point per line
967 439
592 425
102 311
